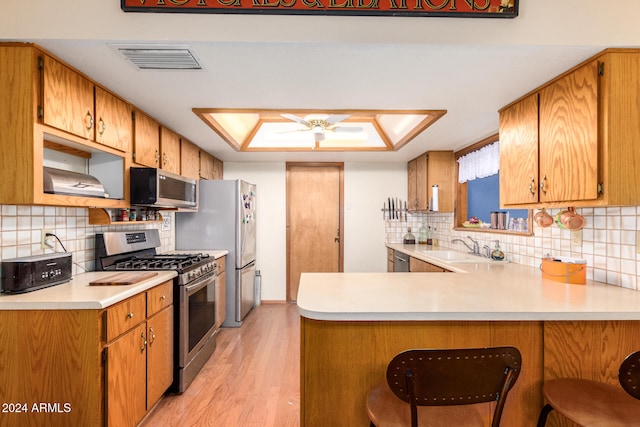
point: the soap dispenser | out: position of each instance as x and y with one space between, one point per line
496 253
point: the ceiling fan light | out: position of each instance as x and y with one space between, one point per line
317 130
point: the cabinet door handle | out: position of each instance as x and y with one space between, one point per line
88 120
144 341
164 159
162 298
532 185
152 336
101 126
157 157
542 184
130 315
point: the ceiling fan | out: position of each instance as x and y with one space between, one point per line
318 124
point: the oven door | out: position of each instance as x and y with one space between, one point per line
196 317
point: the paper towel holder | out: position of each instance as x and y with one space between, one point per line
433 205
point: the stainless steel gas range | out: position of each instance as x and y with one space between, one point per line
194 293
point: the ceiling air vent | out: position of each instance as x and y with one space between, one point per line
159 57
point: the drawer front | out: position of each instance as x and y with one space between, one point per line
159 297
125 315
220 262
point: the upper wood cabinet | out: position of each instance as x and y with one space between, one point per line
169 150
67 101
48 106
114 125
72 103
573 142
210 167
146 140
189 159
429 169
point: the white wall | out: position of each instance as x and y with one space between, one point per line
366 186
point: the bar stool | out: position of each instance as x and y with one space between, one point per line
429 387
592 403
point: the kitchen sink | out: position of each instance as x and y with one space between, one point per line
458 257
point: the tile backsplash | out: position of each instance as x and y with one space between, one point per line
608 241
21 228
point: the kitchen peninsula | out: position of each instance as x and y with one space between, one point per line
352 324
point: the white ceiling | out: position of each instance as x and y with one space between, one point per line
468 66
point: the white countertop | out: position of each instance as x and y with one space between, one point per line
481 292
79 295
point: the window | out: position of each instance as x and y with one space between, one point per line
480 196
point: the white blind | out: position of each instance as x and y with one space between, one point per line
480 163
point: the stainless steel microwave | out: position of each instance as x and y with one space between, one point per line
156 187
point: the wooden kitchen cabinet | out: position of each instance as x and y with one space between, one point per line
126 371
67 99
587 140
139 364
44 107
105 365
418 266
431 168
114 124
221 292
210 167
189 159
169 150
159 355
146 140
72 103
390 260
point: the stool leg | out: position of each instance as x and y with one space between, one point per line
542 419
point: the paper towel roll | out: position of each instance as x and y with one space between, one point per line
434 197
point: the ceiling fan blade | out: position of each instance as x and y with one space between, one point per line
347 129
296 119
332 120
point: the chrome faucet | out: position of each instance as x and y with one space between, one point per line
476 246
463 242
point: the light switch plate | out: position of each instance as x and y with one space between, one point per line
576 239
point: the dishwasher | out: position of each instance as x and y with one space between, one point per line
400 261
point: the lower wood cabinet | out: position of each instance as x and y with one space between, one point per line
105 367
418 266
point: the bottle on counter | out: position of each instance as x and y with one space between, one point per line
409 239
422 235
434 239
429 236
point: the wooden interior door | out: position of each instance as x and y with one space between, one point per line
314 221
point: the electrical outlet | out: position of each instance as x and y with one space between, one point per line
166 223
46 242
576 239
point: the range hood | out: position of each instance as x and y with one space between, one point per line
59 181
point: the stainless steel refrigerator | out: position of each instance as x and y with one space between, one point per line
226 219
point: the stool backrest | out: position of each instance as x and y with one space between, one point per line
436 377
629 374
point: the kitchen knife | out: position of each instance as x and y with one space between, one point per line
389 206
393 209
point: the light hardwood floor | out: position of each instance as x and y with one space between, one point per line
252 378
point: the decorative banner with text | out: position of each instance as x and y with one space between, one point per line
448 8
